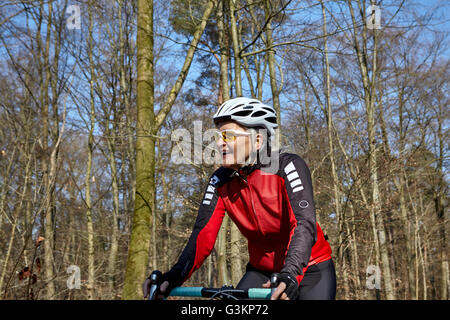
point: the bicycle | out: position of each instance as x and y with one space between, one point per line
224 293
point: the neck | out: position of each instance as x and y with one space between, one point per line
237 167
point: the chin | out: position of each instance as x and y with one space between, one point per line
228 161
227 164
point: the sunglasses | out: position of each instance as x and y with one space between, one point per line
229 135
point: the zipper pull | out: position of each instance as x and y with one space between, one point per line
237 174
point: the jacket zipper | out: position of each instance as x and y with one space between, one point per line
253 204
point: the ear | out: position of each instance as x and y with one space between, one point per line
259 141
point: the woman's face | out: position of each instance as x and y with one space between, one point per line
236 144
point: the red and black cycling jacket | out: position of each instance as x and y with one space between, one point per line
274 211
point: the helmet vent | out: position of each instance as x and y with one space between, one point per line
220 109
243 113
239 105
258 114
272 120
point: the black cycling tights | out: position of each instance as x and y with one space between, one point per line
319 282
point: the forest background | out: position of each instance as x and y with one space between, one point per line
91 92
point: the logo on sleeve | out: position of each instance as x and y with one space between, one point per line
209 194
292 176
214 180
303 204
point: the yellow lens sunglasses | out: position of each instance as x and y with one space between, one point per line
230 135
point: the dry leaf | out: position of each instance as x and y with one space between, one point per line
39 240
24 273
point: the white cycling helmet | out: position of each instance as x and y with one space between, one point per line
248 113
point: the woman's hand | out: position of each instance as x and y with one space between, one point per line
287 288
279 293
162 289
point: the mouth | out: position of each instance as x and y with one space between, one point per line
227 156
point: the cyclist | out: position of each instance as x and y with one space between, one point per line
272 206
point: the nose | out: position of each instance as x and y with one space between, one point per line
220 143
222 147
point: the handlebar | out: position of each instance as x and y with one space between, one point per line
273 282
221 293
155 282
226 292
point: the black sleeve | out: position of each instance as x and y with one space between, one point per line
202 239
298 184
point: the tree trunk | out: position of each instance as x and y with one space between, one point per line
126 89
167 216
224 87
49 192
235 257
336 193
89 223
236 49
411 287
354 252
401 184
440 198
369 86
15 221
111 269
271 60
146 129
3 194
224 277
145 156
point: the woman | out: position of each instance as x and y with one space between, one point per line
272 205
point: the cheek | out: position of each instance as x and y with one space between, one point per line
243 150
